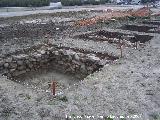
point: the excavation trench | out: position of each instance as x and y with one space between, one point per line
39 65
154 22
141 28
115 37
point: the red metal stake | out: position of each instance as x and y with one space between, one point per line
121 51
53 88
120 45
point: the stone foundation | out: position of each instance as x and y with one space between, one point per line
114 37
141 28
59 58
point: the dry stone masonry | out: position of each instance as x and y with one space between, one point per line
114 37
59 58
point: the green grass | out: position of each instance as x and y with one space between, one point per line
107 118
28 97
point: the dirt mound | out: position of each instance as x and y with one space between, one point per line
107 16
142 12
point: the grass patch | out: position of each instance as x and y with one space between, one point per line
64 99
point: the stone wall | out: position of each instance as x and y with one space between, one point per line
65 60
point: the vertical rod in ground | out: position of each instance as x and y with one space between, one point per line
121 50
53 88
136 44
7 9
120 45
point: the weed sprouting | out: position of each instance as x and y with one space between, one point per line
64 99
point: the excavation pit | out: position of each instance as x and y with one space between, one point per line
42 79
141 28
153 22
115 37
38 67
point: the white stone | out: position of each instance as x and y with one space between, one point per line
56 53
102 62
6 65
42 52
76 57
12 70
57 28
94 58
21 56
20 62
8 60
17 73
70 52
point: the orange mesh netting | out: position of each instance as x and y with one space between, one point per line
142 12
90 21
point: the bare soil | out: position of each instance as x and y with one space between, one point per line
127 87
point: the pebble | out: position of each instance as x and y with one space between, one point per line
6 65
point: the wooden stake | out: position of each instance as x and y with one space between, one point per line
136 44
53 88
121 50
120 45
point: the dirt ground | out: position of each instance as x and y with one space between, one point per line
128 88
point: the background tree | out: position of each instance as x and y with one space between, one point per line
82 2
24 3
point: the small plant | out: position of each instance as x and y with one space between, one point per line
47 39
73 115
64 99
108 118
28 96
51 102
155 116
122 118
6 112
131 18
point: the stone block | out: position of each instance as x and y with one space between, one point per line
76 57
13 65
8 60
20 62
6 65
20 57
17 73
